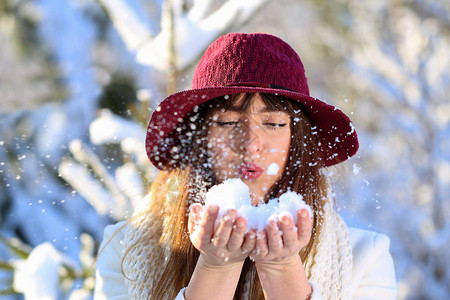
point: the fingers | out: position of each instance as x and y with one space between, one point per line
283 238
221 241
194 217
249 242
304 225
261 248
228 232
226 236
223 232
290 238
237 235
206 228
278 237
274 234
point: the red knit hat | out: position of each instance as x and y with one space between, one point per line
251 63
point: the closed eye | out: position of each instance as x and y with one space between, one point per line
270 125
274 125
227 124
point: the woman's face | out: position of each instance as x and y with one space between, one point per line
252 145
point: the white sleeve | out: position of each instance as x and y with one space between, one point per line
109 279
180 295
373 269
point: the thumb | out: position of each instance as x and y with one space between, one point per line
194 216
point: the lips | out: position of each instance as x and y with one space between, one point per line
250 171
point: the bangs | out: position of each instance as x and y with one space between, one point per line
226 103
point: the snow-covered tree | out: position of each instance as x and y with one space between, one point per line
80 78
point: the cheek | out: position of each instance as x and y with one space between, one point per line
284 147
223 170
217 149
218 144
218 153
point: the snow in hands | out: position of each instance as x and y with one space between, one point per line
234 194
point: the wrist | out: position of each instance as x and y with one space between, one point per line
284 278
212 281
286 263
208 265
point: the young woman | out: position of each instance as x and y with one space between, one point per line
249 110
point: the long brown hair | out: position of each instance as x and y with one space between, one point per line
188 177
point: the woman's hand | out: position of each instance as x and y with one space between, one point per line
277 261
221 243
282 242
223 248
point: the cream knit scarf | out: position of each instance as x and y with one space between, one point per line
329 267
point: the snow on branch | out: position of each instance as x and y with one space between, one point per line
37 277
128 23
83 154
193 35
130 182
82 180
194 31
110 128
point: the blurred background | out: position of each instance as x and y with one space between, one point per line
80 78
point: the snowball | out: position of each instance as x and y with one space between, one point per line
234 194
273 169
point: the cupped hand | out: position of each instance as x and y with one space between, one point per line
282 242
223 242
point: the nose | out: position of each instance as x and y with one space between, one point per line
252 142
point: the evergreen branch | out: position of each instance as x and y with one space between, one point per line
6 265
16 247
9 291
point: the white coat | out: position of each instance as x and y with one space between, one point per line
373 275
